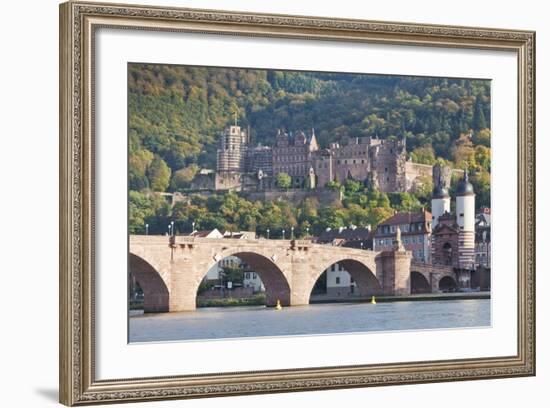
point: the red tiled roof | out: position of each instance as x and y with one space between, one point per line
408 218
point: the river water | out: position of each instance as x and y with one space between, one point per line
258 321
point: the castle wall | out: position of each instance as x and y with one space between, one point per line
228 181
351 159
259 158
292 160
416 175
389 161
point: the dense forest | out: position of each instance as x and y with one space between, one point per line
177 112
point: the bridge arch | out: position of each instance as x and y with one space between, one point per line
419 283
447 283
363 275
277 287
156 296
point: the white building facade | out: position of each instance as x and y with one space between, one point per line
339 282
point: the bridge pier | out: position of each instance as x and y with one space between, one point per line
395 267
435 277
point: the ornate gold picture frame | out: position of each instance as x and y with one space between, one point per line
78 24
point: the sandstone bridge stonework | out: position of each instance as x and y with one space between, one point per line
170 270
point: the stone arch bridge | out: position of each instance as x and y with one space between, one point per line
170 270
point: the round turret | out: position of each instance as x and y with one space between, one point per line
440 192
464 187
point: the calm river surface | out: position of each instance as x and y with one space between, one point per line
257 321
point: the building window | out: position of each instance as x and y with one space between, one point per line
254 276
337 280
333 267
247 276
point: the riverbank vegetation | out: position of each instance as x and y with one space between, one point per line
256 300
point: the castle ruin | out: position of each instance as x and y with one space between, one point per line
380 164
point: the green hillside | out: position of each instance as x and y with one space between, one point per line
176 114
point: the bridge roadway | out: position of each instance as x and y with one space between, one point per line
170 270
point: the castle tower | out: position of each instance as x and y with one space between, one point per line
465 218
231 153
441 201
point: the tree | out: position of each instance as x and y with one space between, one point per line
479 121
423 155
481 181
334 185
182 178
158 174
379 214
482 137
483 157
149 209
138 164
283 180
233 274
352 186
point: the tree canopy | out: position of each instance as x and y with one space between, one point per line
176 113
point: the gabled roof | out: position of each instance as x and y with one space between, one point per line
407 218
214 233
445 229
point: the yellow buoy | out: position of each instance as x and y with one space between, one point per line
278 306
372 300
